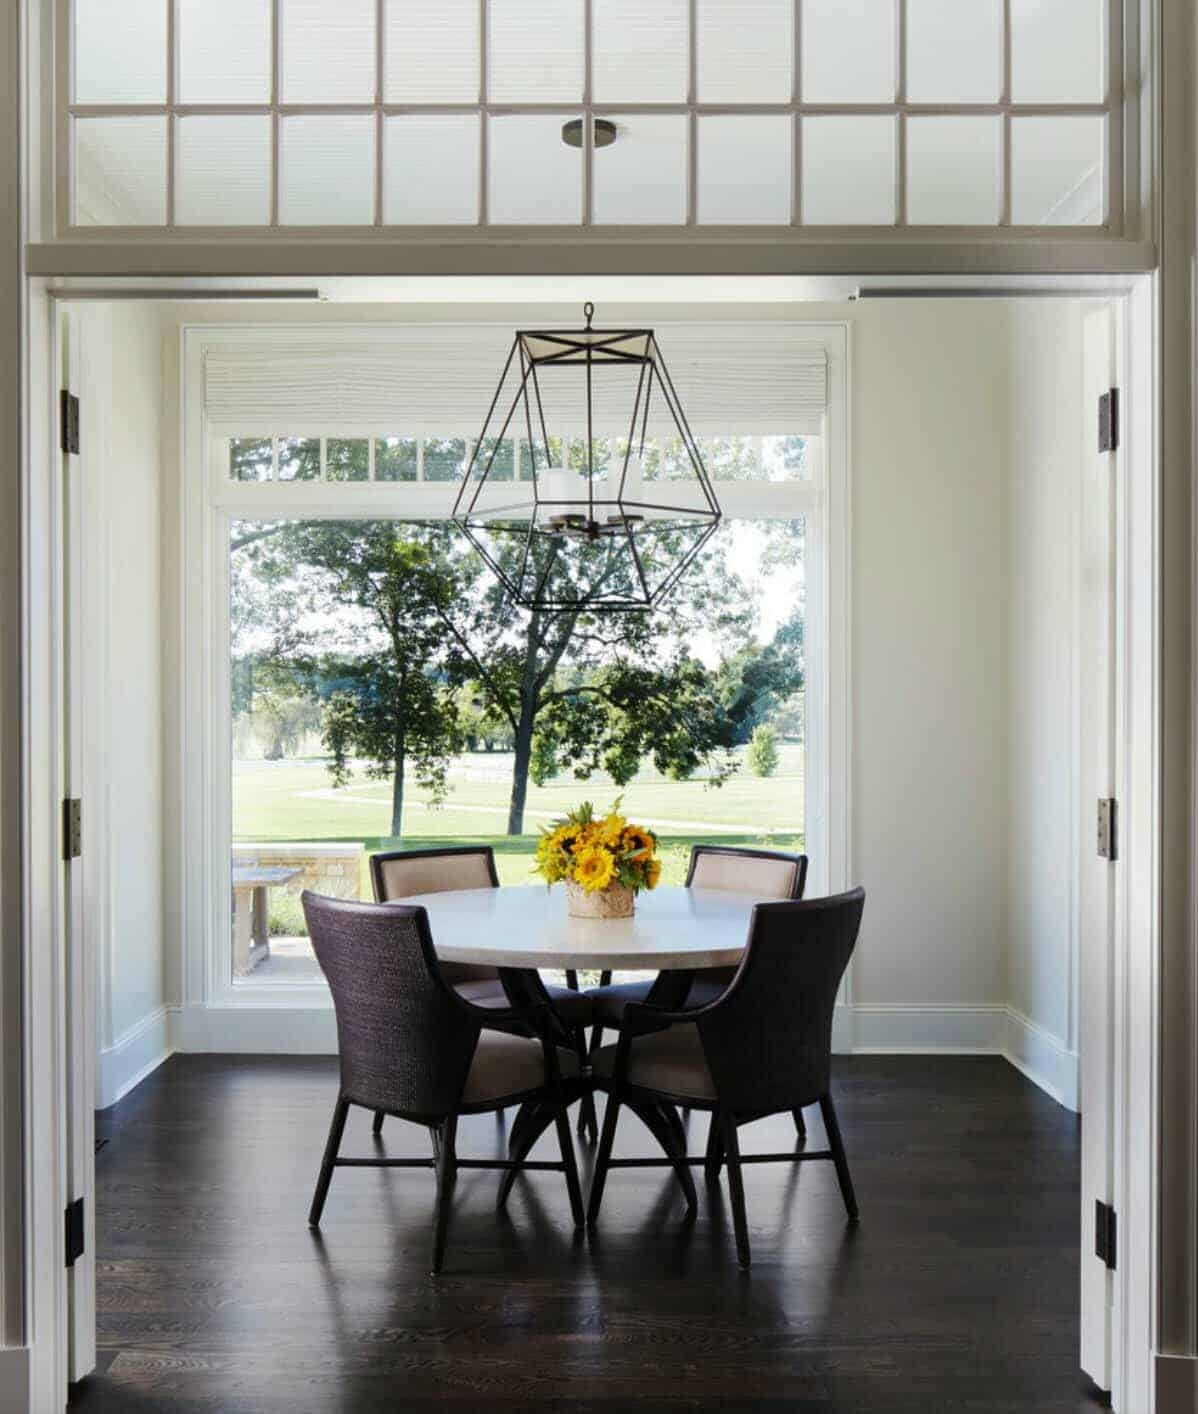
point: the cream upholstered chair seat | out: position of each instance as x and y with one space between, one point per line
504 1064
671 1062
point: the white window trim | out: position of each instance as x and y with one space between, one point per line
210 501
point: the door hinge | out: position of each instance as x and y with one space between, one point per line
1108 838
76 1243
69 419
72 828
1108 421
1106 1234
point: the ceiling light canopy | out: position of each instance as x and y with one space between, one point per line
619 502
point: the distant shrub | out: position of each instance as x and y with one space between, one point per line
285 915
762 753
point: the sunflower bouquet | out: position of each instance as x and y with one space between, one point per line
604 861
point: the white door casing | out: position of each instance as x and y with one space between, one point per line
1097 768
79 969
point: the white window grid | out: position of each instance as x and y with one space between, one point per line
1109 108
522 468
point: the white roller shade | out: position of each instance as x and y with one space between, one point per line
731 379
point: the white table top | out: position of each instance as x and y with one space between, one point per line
527 926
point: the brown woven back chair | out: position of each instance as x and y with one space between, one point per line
413 1047
763 873
402 873
764 1045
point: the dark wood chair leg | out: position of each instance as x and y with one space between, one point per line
566 1144
588 1124
446 1168
571 979
800 1124
332 1145
661 1120
535 1118
736 1190
603 1158
605 979
523 1114
836 1144
376 1127
596 1040
714 1156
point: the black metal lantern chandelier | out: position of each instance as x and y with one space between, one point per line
619 502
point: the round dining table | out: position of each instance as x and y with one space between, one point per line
527 927
523 929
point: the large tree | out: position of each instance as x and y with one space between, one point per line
574 690
592 691
379 591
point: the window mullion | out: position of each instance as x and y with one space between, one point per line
275 60
171 120
379 80
484 126
796 123
1004 204
692 98
588 122
900 97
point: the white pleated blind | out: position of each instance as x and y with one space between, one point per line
731 379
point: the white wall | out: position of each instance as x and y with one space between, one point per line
929 670
1044 506
123 685
961 420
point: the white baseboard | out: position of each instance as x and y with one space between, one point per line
133 1055
14 1379
920 1030
1176 1384
988 1030
258 1030
1043 1058
984 1030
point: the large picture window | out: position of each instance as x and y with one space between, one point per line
357 679
384 693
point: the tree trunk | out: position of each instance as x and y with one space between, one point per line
520 767
397 792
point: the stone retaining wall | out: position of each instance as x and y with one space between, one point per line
334 869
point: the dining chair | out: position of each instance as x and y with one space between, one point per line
764 873
401 873
412 1046
764 1045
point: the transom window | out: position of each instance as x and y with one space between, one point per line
220 114
364 459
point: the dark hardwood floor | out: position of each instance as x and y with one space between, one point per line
958 1292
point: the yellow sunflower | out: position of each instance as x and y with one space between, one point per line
594 868
653 873
611 829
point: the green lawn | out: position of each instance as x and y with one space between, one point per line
293 800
